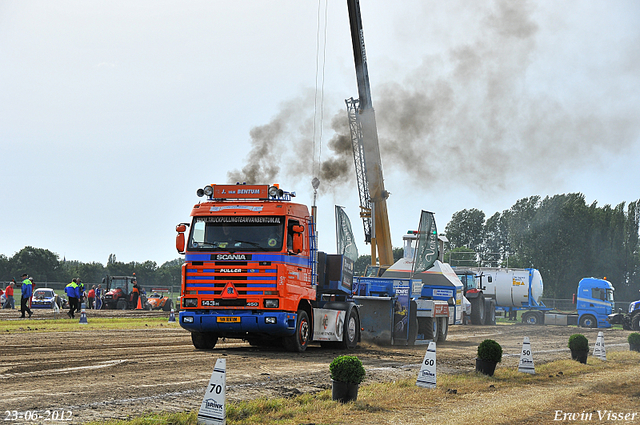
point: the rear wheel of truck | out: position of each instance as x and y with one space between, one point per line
531 318
429 328
424 328
443 329
490 312
477 310
351 330
204 340
300 339
635 322
588 321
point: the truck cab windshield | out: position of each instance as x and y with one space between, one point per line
610 295
231 234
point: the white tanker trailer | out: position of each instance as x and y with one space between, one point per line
490 289
511 290
520 288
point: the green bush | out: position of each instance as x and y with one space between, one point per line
490 350
347 369
578 342
634 338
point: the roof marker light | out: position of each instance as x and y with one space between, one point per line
273 191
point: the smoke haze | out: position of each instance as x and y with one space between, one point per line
472 116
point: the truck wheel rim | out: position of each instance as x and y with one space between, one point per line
304 332
351 329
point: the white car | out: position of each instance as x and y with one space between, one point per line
45 298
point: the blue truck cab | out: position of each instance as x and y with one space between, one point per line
594 302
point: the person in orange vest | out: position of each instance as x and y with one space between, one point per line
135 293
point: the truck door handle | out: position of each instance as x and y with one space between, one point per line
590 305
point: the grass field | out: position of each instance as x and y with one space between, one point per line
560 392
64 324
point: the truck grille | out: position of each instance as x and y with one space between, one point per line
247 277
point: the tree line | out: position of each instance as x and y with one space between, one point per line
46 266
561 236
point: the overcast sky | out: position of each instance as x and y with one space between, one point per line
113 113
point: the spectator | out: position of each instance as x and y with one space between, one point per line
135 293
91 296
99 297
10 303
27 291
73 292
82 293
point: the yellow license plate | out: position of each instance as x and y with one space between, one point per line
228 319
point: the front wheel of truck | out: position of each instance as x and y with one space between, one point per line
300 339
588 321
204 340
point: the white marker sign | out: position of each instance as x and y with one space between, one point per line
212 411
599 351
526 358
427 374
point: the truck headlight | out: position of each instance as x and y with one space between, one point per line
190 302
271 303
187 319
270 320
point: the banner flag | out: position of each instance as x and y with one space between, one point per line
426 252
344 235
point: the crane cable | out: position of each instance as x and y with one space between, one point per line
318 141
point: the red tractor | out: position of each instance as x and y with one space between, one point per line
120 293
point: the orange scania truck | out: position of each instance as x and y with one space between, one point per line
252 271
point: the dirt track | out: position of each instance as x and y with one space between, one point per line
119 373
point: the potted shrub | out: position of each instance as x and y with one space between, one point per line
579 346
347 373
489 355
634 341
